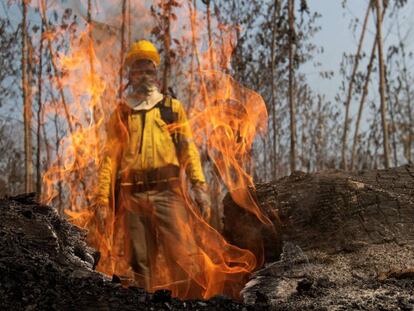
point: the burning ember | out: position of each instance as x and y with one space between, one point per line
224 116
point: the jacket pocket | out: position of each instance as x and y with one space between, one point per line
163 135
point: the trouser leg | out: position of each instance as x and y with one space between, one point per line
142 238
176 236
142 243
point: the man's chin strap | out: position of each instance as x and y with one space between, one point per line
148 102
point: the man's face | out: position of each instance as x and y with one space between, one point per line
142 76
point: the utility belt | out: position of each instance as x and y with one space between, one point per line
159 179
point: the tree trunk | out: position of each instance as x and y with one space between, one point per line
362 102
129 24
407 89
167 7
382 85
393 125
95 102
48 151
60 206
122 56
89 20
193 19
274 159
344 164
210 35
292 39
363 97
39 116
27 107
319 136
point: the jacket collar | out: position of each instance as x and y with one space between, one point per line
147 103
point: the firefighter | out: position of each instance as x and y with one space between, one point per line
149 142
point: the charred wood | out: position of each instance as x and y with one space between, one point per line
347 240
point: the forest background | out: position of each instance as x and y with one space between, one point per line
337 81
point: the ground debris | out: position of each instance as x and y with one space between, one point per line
342 241
45 264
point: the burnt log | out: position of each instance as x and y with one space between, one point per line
331 211
347 240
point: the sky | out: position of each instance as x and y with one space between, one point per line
337 37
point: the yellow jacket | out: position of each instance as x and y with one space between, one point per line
143 141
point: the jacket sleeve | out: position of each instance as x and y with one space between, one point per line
106 169
189 155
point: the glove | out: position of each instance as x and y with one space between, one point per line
202 199
101 215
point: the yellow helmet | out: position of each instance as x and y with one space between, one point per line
142 49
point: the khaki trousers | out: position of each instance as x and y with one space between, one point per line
163 252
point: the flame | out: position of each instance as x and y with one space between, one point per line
225 118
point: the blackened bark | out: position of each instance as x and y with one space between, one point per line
332 211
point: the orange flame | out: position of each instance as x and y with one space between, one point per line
225 119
